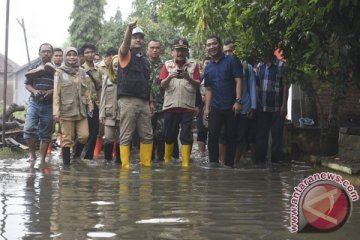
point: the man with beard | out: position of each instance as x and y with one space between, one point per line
39 118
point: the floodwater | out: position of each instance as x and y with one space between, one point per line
97 200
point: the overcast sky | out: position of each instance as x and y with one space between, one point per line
45 21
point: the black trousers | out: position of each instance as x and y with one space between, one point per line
93 133
175 121
269 122
217 119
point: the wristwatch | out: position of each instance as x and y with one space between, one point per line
239 101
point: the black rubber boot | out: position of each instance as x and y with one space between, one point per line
78 150
108 150
66 155
117 153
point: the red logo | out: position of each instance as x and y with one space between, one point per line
326 207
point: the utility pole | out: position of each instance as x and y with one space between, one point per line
5 70
22 24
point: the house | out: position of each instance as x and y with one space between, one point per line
11 68
16 91
21 95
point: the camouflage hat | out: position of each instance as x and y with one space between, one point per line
181 43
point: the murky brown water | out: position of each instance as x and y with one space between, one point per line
96 200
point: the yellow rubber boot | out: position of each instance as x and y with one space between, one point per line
125 156
185 155
169 149
145 154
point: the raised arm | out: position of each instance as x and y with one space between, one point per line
125 45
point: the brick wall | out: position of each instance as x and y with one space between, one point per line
349 108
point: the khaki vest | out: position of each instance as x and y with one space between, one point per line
180 93
108 103
73 94
97 75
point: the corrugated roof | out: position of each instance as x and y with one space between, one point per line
12 66
27 66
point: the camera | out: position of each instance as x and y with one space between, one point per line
180 71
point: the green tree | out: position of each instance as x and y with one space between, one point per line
154 26
87 18
112 33
194 20
320 39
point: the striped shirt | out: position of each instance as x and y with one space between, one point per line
270 81
44 81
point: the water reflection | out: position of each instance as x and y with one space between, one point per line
97 200
38 199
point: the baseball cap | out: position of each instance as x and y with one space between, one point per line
138 30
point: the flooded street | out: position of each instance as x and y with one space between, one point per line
97 200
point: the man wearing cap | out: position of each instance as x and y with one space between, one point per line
134 93
180 77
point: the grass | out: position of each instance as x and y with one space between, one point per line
6 152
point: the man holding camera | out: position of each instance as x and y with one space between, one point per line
39 118
180 77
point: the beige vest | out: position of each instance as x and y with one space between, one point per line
180 93
97 75
74 94
108 103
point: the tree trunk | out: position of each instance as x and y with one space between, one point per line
8 125
11 109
